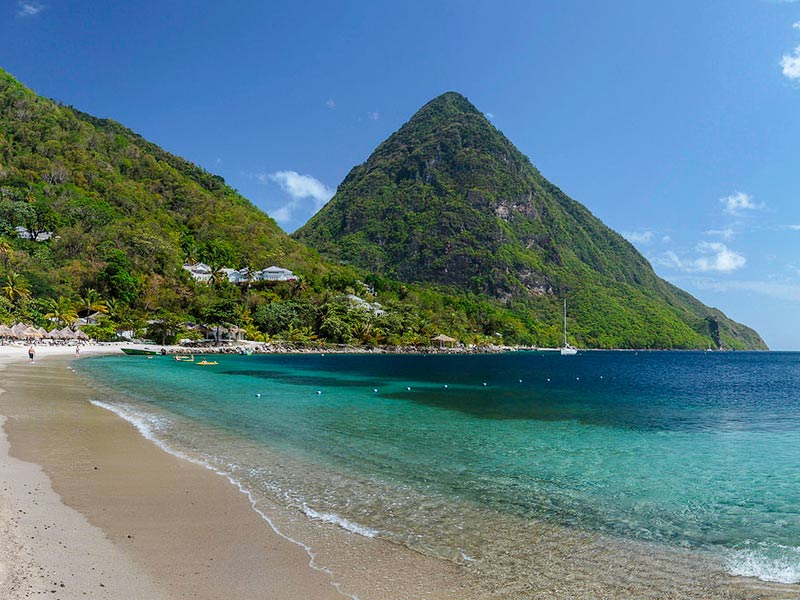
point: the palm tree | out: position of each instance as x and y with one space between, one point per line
16 287
5 252
117 310
218 276
62 311
92 303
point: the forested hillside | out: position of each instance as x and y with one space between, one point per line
125 215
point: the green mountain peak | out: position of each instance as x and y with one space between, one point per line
449 201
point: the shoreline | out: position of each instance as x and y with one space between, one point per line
132 494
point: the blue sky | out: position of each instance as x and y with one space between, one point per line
677 123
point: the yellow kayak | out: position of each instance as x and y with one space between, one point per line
207 362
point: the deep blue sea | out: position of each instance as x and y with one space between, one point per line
687 450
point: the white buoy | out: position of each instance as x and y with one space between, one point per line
548 379
445 386
577 379
520 380
408 388
601 376
258 395
374 389
484 383
319 392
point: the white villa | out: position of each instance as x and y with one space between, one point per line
24 234
202 273
274 273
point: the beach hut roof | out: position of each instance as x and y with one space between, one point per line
443 338
80 335
31 332
5 331
55 334
19 329
42 331
67 334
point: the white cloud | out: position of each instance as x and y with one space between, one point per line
714 256
638 237
780 290
301 189
790 64
794 227
666 239
489 115
330 103
373 116
725 234
736 204
796 25
29 9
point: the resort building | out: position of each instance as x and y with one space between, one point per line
274 273
203 273
200 272
25 234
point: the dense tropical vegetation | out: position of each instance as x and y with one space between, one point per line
97 221
126 215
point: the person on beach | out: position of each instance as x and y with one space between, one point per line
31 352
77 351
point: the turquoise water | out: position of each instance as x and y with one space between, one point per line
690 450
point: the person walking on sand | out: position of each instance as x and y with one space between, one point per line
77 350
31 352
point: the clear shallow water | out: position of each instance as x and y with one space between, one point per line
689 450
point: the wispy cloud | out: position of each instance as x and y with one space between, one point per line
373 116
29 8
305 192
489 115
738 204
638 237
774 289
790 65
330 103
714 256
794 227
725 234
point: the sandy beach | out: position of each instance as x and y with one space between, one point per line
90 508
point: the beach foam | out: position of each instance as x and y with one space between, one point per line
769 562
340 521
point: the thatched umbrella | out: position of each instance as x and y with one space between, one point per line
42 332
19 330
55 334
81 335
32 332
67 334
443 339
5 331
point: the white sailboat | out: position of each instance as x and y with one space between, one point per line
566 349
